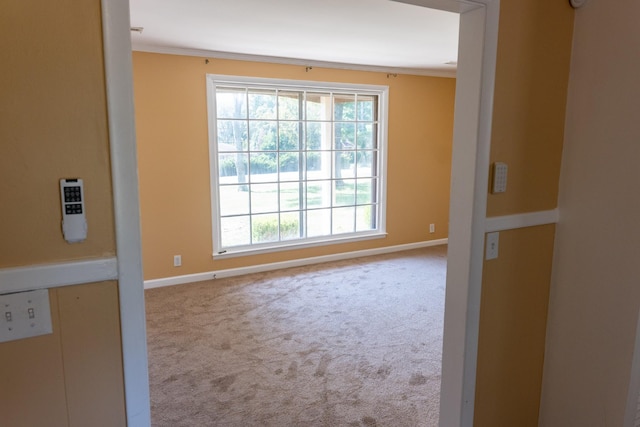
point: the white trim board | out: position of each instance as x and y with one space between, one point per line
118 70
43 276
209 275
530 219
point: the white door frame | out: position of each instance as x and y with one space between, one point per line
124 176
475 82
469 181
468 209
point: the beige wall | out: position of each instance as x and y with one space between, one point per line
53 125
595 295
173 154
534 52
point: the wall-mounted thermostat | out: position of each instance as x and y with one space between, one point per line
74 223
499 178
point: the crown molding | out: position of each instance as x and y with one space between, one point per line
169 50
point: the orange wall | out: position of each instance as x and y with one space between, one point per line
53 124
72 377
532 74
173 153
515 296
534 53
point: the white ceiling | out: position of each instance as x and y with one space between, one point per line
374 33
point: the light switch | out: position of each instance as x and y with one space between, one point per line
492 245
26 314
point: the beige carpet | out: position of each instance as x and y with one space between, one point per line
350 343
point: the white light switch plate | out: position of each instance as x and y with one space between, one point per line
492 245
24 314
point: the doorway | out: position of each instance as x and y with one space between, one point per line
472 128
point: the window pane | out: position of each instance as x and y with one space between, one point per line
318 136
264 167
364 218
232 168
262 104
289 105
345 136
232 135
365 191
231 103
319 223
345 164
318 194
263 135
344 107
344 192
264 228
289 135
290 225
235 231
322 162
318 106
234 200
365 163
366 107
319 164
264 198
289 166
366 136
343 220
290 196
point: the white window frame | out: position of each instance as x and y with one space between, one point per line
382 92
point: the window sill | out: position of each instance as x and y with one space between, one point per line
233 253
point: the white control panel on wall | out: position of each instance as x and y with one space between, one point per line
24 314
74 223
499 178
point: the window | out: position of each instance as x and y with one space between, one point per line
295 163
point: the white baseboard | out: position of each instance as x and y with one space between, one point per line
219 274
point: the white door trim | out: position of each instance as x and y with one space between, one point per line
477 53
124 176
470 171
468 207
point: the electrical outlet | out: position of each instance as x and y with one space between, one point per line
177 260
24 315
432 228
